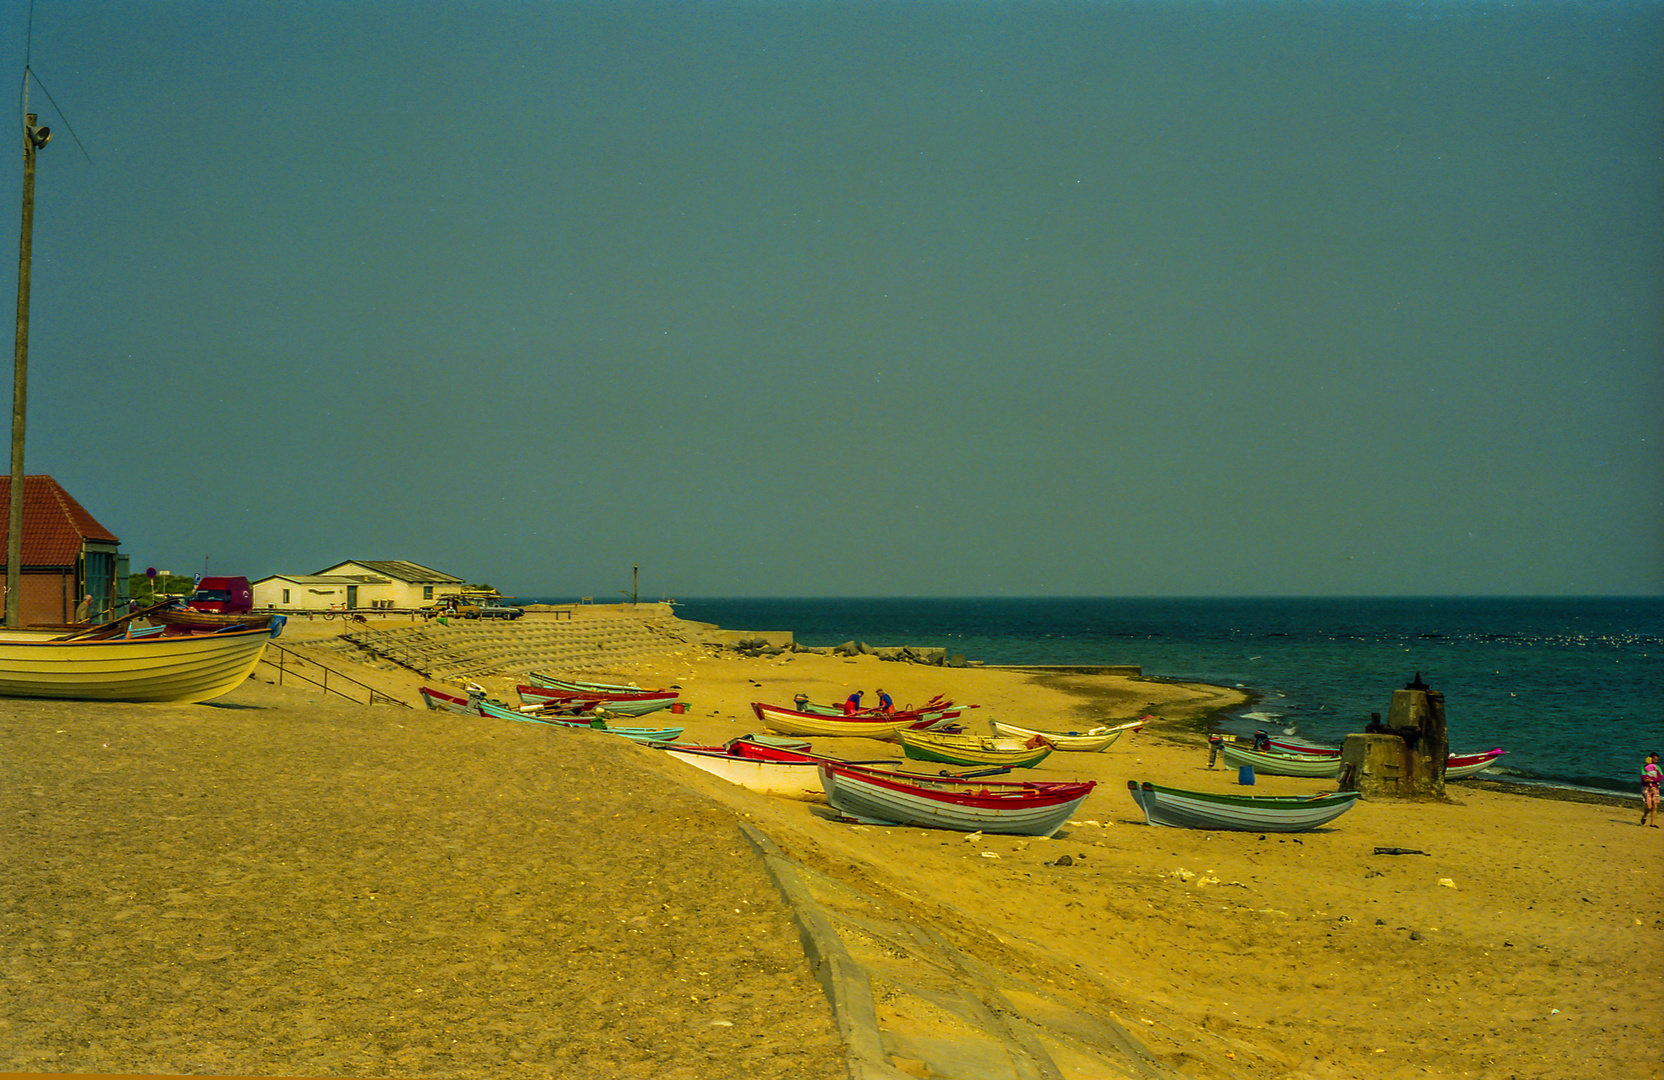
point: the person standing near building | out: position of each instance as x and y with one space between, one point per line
1650 777
83 610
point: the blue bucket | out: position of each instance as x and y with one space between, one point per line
1245 775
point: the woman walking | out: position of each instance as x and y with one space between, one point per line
1650 776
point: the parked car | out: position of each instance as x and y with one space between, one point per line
487 607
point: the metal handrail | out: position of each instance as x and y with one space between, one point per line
375 697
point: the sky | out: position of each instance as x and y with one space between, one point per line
1027 298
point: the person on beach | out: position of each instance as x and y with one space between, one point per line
1650 776
885 704
852 704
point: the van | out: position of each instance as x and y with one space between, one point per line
226 595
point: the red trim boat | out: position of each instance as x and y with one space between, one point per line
878 797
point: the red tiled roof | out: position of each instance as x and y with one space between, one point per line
54 524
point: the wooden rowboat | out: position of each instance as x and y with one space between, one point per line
578 723
1456 766
184 668
1461 766
935 713
813 725
771 770
1241 813
1281 764
973 749
1082 742
626 704
878 797
442 701
192 619
573 686
1295 746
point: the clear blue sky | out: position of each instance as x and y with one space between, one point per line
1018 298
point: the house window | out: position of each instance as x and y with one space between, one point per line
285 596
427 592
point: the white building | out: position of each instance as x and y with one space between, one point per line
356 584
399 584
319 592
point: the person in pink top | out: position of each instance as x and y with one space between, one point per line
1650 776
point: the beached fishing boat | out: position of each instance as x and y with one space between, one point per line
443 701
192 619
1456 767
771 770
964 749
1461 766
879 797
1280 764
814 725
1241 813
550 682
1295 746
183 668
935 713
627 704
527 715
1081 742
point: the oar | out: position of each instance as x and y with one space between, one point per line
113 623
997 771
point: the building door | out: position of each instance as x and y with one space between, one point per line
352 596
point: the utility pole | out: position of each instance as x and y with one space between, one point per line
33 139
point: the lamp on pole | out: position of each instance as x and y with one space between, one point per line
33 139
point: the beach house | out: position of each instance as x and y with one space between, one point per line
67 555
357 583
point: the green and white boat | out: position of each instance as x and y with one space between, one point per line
1273 764
1240 813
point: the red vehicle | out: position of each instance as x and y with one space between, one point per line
223 595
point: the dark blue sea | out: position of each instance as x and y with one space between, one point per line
1572 688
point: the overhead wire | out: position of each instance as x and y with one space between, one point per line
29 74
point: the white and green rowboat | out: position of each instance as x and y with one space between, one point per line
1321 765
1241 813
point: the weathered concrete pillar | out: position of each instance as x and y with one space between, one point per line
1405 758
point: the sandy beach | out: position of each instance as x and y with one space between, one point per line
284 884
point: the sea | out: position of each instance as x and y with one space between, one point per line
1573 689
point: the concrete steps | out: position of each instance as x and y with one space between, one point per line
456 653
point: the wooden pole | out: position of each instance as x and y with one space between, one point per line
20 374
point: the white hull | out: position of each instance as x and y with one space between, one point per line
790 779
1079 742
